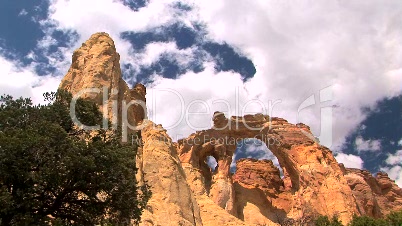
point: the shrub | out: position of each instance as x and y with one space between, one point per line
325 221
395 218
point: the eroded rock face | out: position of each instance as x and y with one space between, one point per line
95 75
375 196
258 185
260 174
172 202
313 182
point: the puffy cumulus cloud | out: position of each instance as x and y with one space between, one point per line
350 161
395 173
87 17
211 162
394 167
57 49
299 48
24 82
23 12
367 145
71 22
400 142
154 50
394 159
255 149
186 104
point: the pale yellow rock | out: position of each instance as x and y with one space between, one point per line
95 73
172 202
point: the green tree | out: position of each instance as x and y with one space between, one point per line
395 218
392 219
325 221
54 173
367 221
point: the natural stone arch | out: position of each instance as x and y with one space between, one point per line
221 142
309 168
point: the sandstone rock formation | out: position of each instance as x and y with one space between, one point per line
375 196
172 202
313 182
187 192
95 74
258 185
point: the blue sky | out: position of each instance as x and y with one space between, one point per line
228 54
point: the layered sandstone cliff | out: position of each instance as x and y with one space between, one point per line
187 192
376 196
172 202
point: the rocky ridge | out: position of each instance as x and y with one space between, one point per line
376 196
187 192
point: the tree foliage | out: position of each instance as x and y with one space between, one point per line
54 173
325 221
395 218
367 221
392 219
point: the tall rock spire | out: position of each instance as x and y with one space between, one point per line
95 66
95 74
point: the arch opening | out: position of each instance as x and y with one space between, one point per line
253 148
209 166
211 162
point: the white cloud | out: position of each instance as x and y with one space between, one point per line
24 82
211 162
400 142
91 16
23 12
394 168
349 161
153 51
299 49
394 159
367 145
88 17
169 101
255 149
395 173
